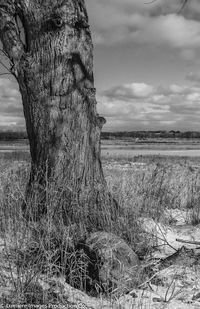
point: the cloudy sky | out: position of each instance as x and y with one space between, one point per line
147 66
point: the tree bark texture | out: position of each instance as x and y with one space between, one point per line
53 65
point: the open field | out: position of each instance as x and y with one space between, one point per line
18 145
129 147
162 147
159 217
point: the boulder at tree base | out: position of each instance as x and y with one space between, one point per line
118 263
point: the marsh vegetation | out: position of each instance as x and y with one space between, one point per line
159 200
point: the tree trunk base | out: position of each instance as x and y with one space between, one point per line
95 209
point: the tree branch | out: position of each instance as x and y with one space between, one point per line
9 35
183 4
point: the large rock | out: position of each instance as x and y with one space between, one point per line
118 263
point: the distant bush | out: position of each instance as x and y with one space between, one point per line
150 134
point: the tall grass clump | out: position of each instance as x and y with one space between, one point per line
33 249
50 246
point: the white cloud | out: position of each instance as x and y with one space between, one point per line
133 90
195 96
175 106
140 90
176 89
11 114
174 30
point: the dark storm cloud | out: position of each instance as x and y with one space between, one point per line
117 22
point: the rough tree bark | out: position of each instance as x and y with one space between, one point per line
54 69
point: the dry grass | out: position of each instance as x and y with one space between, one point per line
159 184
50 248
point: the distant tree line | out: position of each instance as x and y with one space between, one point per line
11 135
150 134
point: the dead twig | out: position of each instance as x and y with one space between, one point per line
188 241
165 239
148 281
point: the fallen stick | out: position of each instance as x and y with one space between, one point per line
188 241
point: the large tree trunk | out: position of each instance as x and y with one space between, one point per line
54 69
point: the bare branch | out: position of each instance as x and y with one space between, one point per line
183 4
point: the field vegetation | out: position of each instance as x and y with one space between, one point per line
152 189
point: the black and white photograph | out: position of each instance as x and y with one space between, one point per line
99 154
